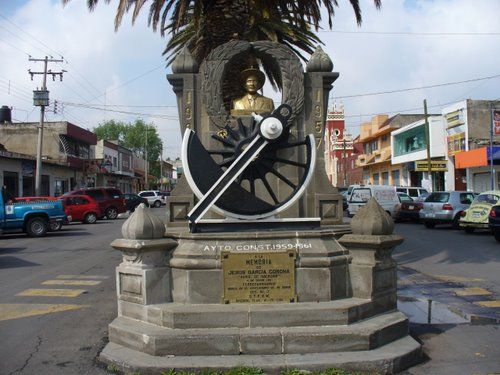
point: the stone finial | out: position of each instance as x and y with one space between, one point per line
143 225
371 219
184 63
319 62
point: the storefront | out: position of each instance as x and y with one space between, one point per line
476 164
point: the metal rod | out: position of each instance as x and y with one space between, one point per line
429 311
428 141
492 171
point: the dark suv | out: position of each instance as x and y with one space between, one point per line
111 200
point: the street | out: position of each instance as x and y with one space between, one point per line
58 296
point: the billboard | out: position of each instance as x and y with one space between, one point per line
456 143
496 121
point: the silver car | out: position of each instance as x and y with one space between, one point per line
444 207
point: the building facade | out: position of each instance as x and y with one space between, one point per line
467 127
409 151
375 160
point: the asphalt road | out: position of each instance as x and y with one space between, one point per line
63 333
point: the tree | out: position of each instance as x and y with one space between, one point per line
202 25
137 136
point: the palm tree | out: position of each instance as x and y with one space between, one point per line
202 25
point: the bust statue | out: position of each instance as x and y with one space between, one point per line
252 102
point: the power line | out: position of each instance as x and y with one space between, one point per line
15 47
415 88
411 33
78 105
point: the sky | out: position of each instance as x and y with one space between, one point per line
406 46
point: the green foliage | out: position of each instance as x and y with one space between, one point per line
135 136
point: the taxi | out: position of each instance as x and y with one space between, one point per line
476 216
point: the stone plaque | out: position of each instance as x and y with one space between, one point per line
259 277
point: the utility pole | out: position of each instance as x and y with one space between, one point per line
146 161
345 162
41 99
428 142
492 171
161 169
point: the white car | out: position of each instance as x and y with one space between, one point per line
154 197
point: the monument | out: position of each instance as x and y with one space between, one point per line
266 280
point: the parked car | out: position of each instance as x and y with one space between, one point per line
81 208
154 197
54 225
494 221
133 200
385 195
476 216
111 200
412 191
345 205
410 210
445 207
32 217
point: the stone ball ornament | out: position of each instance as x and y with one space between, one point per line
319 61
143 225
371 219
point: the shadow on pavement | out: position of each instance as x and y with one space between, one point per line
13 262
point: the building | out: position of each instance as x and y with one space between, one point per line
467 127
338 145
409 151
64 144
375 160
347 169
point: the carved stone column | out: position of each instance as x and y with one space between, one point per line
184 82
144 276
321 198
372 269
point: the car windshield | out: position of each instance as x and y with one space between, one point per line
438 197
486 198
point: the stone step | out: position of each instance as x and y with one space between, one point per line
388 359
160 341
176 315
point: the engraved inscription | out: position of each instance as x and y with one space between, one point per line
259 277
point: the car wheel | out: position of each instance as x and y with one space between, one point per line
90 218
111 213
37 227
496 233
429 225
469 230
55 226
157 204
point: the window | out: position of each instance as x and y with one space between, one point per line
395 177
438 197
487 198
466 198
410 141
375 179
385 178
97 194
147 194
114 193
413 192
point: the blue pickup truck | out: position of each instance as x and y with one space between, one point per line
34 218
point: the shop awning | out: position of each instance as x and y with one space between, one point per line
479 157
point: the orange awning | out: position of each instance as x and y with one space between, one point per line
473 158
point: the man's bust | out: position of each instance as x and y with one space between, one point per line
253 80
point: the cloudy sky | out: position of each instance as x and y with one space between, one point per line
408 44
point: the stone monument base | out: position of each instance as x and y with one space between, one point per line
273 337
176 310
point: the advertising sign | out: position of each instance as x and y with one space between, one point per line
436 166
496 121
456 143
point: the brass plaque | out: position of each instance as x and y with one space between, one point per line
259 277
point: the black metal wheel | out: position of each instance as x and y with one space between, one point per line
269 184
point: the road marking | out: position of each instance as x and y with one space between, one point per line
52 292
97 277
488 303
23 310
474 291
455 279
71 282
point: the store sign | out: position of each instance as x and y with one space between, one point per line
436 166
456 143
455 118
496 121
